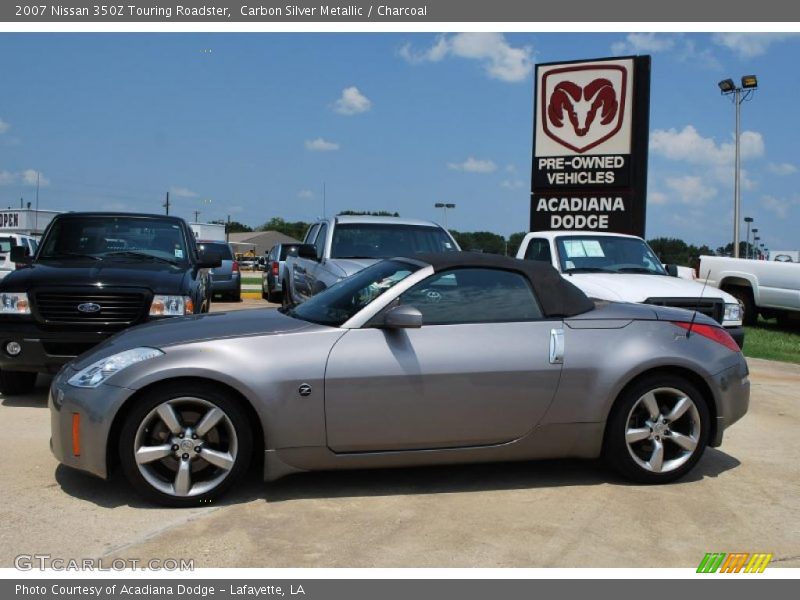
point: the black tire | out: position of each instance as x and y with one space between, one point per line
274 297
616 451
745 297
236 296
164 468
13 383
286 296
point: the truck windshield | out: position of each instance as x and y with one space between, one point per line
345 298
128 238
606 254
379 240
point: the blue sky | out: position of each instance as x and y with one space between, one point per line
251 125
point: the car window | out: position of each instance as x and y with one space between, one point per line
6 244
609 254
538 250
385 240
34 246
287 249
224 250
473 296
311 235
320 243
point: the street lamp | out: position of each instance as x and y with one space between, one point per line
747 220
755 231
755 243
444 206
739 94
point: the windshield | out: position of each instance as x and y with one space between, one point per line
606 254
344 299
129 238
387 240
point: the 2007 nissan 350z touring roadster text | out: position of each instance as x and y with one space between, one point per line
435 359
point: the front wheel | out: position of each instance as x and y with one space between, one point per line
657 430
745 297
184 445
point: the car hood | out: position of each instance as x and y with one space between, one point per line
637 287
351 266
196 328
157 276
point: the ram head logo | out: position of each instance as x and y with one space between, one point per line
583 106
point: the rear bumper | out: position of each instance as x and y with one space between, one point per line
733 398
226 285
737 333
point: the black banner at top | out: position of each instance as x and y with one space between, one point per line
475 11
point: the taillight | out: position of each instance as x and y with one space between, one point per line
275 268
712 332
235 266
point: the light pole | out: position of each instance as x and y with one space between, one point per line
755 243
747 220
444 206
740 94
755 231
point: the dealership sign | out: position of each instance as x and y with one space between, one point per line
590 145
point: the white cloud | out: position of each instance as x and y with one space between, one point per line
473 165
30 176
7 177
512 184
352 102
749 45
182 192
691 189
657 198
305 194
4 126
321 145
511 168
689 146
643 43
500 60
778 206
782 168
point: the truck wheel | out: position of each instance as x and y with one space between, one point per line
275 297
657 430
13 383
286 297
745 297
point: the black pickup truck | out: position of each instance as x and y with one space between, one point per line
93 275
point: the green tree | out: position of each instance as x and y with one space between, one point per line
480 241
514 242
295 229
377 213
233 226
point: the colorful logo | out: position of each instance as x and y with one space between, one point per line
736 562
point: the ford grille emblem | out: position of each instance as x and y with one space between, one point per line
89 307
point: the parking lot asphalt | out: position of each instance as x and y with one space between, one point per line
743 497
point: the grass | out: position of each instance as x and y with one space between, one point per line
253 278
768 340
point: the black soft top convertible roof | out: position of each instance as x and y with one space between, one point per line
557 296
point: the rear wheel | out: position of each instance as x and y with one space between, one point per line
286 296
657 430
184 445
13 383
745 297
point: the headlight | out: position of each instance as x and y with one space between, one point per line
171 306
733 312
98 372
15 304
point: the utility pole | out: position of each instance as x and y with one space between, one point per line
196 215
166 203
227 230
323 199
36 217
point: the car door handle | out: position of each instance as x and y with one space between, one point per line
556 346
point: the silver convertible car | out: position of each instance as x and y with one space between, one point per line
440 358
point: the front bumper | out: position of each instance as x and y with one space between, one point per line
732 398
42 350
96 408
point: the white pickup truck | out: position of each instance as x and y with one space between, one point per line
770 288
623 268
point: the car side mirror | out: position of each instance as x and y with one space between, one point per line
20 255
402 317
208 259
307 251
672 270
